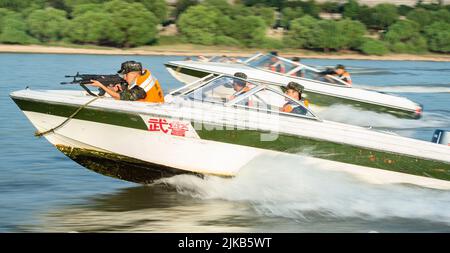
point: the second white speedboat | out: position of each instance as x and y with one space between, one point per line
321 91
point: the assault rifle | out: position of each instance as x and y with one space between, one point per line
107 80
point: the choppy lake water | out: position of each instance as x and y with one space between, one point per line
42 190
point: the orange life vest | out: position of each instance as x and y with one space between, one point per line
306 102
287 108
346 78
151 87
243 90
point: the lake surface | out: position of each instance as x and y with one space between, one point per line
43 190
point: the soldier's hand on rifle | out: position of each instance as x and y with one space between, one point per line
96 84
111 92
117 88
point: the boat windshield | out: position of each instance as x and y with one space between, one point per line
218 59
221 90
224 59
272 63
295 69
313 74
267 99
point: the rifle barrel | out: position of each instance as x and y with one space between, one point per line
86 79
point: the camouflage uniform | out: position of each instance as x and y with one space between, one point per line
133 94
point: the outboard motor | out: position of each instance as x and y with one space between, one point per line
441 137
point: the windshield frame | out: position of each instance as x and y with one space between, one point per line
235 101
260 87
191 86
251 58
187 93
300 66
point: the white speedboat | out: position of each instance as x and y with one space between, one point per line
320 90
205 128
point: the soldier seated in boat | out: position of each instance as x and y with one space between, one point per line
203 58
275 64
339 72
142 85
239 86
300 72
342 74
294 90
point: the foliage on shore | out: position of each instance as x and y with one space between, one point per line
374 30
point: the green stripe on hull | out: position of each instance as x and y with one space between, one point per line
90 114
321 99
332 151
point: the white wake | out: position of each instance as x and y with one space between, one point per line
354 116
408 89
289 187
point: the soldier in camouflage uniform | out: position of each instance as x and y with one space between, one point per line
131 71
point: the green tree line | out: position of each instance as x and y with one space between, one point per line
116 23
376 30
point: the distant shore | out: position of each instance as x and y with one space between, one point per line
193 50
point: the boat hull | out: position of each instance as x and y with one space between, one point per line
119 144
187 75
120 167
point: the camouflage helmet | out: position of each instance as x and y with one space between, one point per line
340 66
130 66
240 82
240 75
293 86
